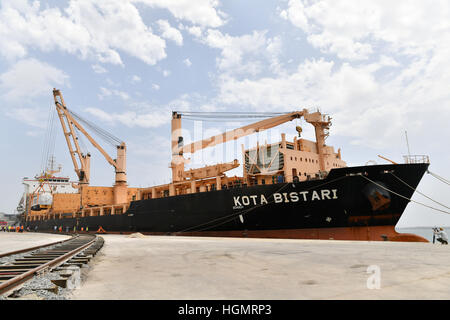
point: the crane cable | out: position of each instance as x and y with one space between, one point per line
229 114
103 134
49 140
81 140
221 116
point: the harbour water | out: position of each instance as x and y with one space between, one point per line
425 232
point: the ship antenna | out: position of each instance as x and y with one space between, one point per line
407 144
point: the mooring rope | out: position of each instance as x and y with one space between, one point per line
419 191
401 196
439 178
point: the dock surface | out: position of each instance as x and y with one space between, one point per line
167 268
13 241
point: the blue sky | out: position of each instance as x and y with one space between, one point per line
378 68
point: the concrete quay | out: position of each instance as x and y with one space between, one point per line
158 267
137 267
13 241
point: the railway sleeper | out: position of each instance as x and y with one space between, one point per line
43 255
79 260
35 259
66 275
16 268
4 277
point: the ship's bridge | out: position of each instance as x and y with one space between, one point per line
288 161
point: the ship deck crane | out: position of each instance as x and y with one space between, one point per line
69 121
320 122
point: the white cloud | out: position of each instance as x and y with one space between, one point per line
403 85
30 78
104 92
274 49
248 54
34 116
195 31
150 119
98 68
296 14
89 29
155 86
136 79
199 12
354 30
367 108
233 50
274 46
187 62
166 73
169 32
32 133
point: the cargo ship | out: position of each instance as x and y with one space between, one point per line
299 189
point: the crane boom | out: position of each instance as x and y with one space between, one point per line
177 164
241 132
63 108
82 166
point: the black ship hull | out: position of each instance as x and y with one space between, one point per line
353 203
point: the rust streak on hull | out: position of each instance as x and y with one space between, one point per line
374 233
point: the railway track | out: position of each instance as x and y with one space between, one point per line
65 254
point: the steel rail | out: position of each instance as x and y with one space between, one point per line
34 248
16 281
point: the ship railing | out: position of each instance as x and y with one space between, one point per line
114 209
416 159
105 210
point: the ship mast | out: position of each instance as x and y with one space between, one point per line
50 169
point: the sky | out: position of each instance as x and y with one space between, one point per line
379 68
